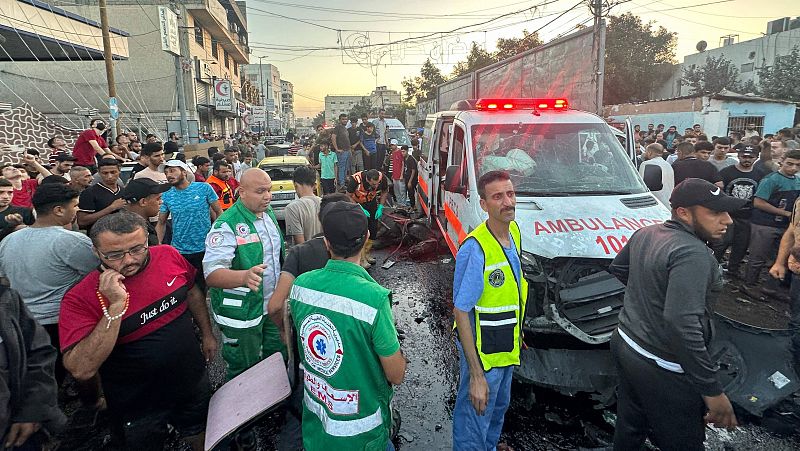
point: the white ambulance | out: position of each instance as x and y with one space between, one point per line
579 199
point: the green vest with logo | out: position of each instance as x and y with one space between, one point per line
346 395
242 304
501 308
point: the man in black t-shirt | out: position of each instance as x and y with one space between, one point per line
103 198
696 165
741 181
11 217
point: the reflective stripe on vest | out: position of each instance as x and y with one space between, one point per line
340 304
361 195
343 428
501 307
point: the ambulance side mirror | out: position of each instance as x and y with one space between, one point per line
652 177
453 181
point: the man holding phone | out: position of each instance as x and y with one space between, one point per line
23 189
90 143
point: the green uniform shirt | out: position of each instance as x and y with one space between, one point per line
344 323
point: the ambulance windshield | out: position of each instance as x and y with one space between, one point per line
556 159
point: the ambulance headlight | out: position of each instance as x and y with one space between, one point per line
532 268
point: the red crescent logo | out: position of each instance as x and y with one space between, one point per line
310 343
219 89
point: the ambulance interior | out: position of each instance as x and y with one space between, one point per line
556 159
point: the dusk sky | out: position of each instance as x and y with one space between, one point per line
303 43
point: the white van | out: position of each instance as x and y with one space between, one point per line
579 199
397 131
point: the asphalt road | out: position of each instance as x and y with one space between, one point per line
537 419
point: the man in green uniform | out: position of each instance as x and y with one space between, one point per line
347 342
244 253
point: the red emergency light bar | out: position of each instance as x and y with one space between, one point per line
521 104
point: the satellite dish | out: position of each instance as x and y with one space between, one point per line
701 46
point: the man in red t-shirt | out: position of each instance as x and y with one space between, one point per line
23 187
131 321
89 144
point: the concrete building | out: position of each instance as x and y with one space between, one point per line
383 97
336 105
380 97
747 56
717 114
287 104
213 44
268 78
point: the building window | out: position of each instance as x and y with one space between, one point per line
747 67
225 58
214 51
739 123
198 35
235 69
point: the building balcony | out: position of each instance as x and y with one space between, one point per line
37 31
213 17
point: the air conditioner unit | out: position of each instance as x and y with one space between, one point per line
776 26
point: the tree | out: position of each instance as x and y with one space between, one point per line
476 59
362 107
423 87
319 119
712 77
638 59
782 79
508 47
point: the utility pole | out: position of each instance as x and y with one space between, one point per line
261 88
112 88
184 45
598 50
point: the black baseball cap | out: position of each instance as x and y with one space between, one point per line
138 189
747 150
344 224
692 192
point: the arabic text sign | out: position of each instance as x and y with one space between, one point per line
223 95
168 22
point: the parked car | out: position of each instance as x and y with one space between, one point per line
281 170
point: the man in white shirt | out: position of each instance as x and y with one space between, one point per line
653 156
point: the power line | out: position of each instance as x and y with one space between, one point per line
391 15
694 22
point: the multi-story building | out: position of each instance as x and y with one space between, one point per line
213 45
339 104
747 56
380 98
383 97
287 104
268 78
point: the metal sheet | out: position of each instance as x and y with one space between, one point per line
245 397
562 68
454 90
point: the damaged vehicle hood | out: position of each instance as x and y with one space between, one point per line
584 226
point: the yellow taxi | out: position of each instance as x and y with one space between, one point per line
280 170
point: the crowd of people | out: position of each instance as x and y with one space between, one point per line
745 165
119 286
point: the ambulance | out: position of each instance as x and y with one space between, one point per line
579 199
